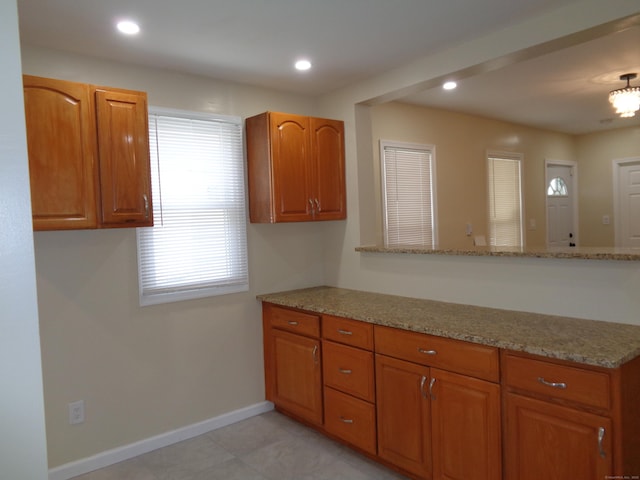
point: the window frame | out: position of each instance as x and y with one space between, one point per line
181 292
431 151
515 157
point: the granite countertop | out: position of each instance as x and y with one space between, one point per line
589 342
580 253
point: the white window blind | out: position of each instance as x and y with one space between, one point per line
505 200
408 194
198 244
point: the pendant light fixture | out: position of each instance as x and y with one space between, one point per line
626 100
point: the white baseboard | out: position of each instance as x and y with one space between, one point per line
110 457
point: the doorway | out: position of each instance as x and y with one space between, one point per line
626 196
561 194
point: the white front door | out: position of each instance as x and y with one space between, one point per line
628 203
560 193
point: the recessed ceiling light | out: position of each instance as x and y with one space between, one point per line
449 85
128 27
303 65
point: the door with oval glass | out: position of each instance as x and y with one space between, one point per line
561 177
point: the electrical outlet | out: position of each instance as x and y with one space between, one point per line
76 412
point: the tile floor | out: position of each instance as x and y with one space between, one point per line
265 447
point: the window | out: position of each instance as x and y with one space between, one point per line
408 185
557 188
198 245
505 201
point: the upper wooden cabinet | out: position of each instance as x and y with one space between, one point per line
295 168
88 155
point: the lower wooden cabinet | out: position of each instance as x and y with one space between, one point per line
465 425
555 442
293 368
441 409
404 416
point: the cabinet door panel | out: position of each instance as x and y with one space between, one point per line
123 144
404 437
328 164
62 150
465 416
291 170
297 375
555 442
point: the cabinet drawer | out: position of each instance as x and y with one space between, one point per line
350 419
292 320
479 361
575 384
348 369
352 332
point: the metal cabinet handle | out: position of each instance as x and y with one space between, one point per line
313 210
346 371
344 332
422 382
560 385
146 205
431 383
317 205
315 354
292 322
346 420
601 433
427 352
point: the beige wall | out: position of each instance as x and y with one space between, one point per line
595 155
145 371
462 142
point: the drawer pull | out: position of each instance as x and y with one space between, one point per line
346 371
344 332
427 352
561 385
601 433
346 420
292 322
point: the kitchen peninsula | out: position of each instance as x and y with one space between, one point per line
410 382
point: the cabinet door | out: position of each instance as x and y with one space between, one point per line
327 149
553 442
297 375
290 150
123 145
465 416
62 153
404 430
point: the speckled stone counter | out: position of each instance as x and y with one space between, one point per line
578 253
585 341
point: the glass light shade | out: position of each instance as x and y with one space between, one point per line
626 101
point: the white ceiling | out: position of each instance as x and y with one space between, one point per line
256 42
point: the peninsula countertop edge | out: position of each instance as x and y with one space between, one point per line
589 342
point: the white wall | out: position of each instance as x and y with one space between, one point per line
23 454
145 371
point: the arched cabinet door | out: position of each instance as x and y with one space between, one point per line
61 139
